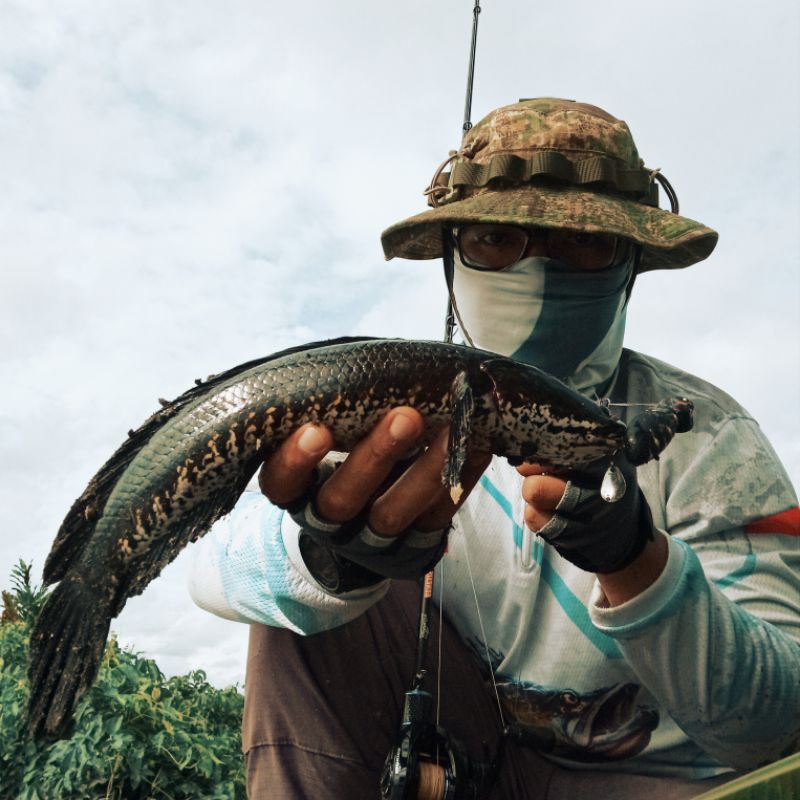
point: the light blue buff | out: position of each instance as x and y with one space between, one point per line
565 321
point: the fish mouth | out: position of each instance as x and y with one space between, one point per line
616 710
612 727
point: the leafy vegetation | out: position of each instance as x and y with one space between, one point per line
136 735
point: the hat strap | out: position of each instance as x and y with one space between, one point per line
448 260
507 167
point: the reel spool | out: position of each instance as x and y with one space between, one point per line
428 764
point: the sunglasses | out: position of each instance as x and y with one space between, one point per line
489 246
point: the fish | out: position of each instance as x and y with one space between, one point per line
188 463
604 724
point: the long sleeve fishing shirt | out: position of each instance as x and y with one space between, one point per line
697 674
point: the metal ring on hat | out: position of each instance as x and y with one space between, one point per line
434 190
668 189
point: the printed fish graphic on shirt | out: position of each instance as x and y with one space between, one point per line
601 725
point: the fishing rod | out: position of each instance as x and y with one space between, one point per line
427 763
449 319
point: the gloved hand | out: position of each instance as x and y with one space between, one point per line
350 555
570 514
371 516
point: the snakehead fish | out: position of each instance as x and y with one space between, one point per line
186 466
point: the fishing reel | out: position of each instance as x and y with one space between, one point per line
428 764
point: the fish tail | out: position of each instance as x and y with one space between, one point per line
67 645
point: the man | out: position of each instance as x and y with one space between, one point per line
644 646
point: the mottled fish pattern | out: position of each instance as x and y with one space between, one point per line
186 466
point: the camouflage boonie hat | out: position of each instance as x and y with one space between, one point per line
555 164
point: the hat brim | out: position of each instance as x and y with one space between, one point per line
668 241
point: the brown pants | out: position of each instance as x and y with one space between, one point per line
321 713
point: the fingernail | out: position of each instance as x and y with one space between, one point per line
311 441
402 428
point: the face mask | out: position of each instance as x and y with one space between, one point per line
565 321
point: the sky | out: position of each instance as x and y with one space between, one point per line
189 186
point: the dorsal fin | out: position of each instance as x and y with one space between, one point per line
80 521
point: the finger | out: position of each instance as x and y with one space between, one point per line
536 469
541 493
285 475
420 489
536 519
544 492
352 486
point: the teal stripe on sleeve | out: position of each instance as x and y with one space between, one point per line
254 574
739 574
566 598
302 617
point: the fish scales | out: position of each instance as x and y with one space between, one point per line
188 464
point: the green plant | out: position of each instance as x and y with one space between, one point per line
26 600
136 735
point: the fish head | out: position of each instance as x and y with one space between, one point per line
540 418
602 725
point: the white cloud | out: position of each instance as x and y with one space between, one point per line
164 624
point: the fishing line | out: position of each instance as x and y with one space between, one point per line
483 636
608 403
439 655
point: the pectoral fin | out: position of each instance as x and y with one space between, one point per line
462 407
